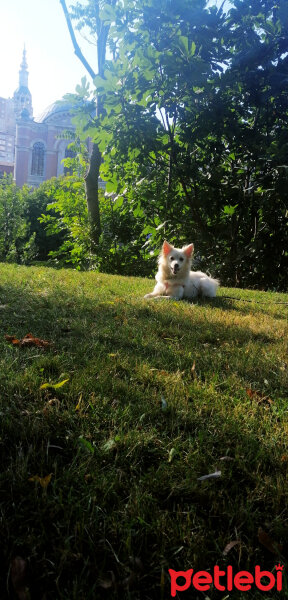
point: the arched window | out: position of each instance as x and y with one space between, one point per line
37 167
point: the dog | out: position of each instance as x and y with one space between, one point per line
175 278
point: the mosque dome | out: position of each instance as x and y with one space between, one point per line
57 113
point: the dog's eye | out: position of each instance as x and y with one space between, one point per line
171 257
181 258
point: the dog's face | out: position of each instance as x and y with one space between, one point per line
176 259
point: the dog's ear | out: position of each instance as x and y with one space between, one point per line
166 248
188 250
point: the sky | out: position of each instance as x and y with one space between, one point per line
54 70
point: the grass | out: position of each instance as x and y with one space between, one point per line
158 394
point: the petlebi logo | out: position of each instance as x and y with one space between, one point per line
226 580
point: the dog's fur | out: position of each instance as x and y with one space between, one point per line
175 278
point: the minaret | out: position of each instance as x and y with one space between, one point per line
22 97
23 73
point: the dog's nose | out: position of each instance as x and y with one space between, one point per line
176 268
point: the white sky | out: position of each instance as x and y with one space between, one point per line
53 67
54 70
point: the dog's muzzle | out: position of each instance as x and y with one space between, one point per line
175 268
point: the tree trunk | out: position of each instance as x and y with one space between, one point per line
91 185
91 179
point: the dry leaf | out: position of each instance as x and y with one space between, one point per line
193 371
18 572
172 453
78 405
12 339
28 340
267 541
230 546
44 481
254 395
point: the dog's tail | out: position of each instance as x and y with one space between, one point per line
209 286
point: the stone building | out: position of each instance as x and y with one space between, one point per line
32 149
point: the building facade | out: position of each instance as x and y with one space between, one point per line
33 150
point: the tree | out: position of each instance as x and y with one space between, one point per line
92 14
192 127
167 62
200 95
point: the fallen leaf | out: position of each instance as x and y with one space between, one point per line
54 386
78 405
172 453
193 371
260 398
267 541
210 476
18 572
86 444
28 340
44 481
230 546
12 339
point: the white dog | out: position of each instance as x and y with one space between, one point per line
175 278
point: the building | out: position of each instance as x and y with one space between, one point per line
32 149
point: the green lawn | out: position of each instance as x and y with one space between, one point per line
159 393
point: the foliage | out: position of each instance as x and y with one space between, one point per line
35 202
67 216
195 97
50 224
14 241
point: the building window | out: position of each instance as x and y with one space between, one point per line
38 152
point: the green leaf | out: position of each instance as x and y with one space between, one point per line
183 44
54 386
87 445
229 210
118 202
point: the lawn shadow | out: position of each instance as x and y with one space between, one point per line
135 496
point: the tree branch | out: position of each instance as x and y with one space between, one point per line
74 41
